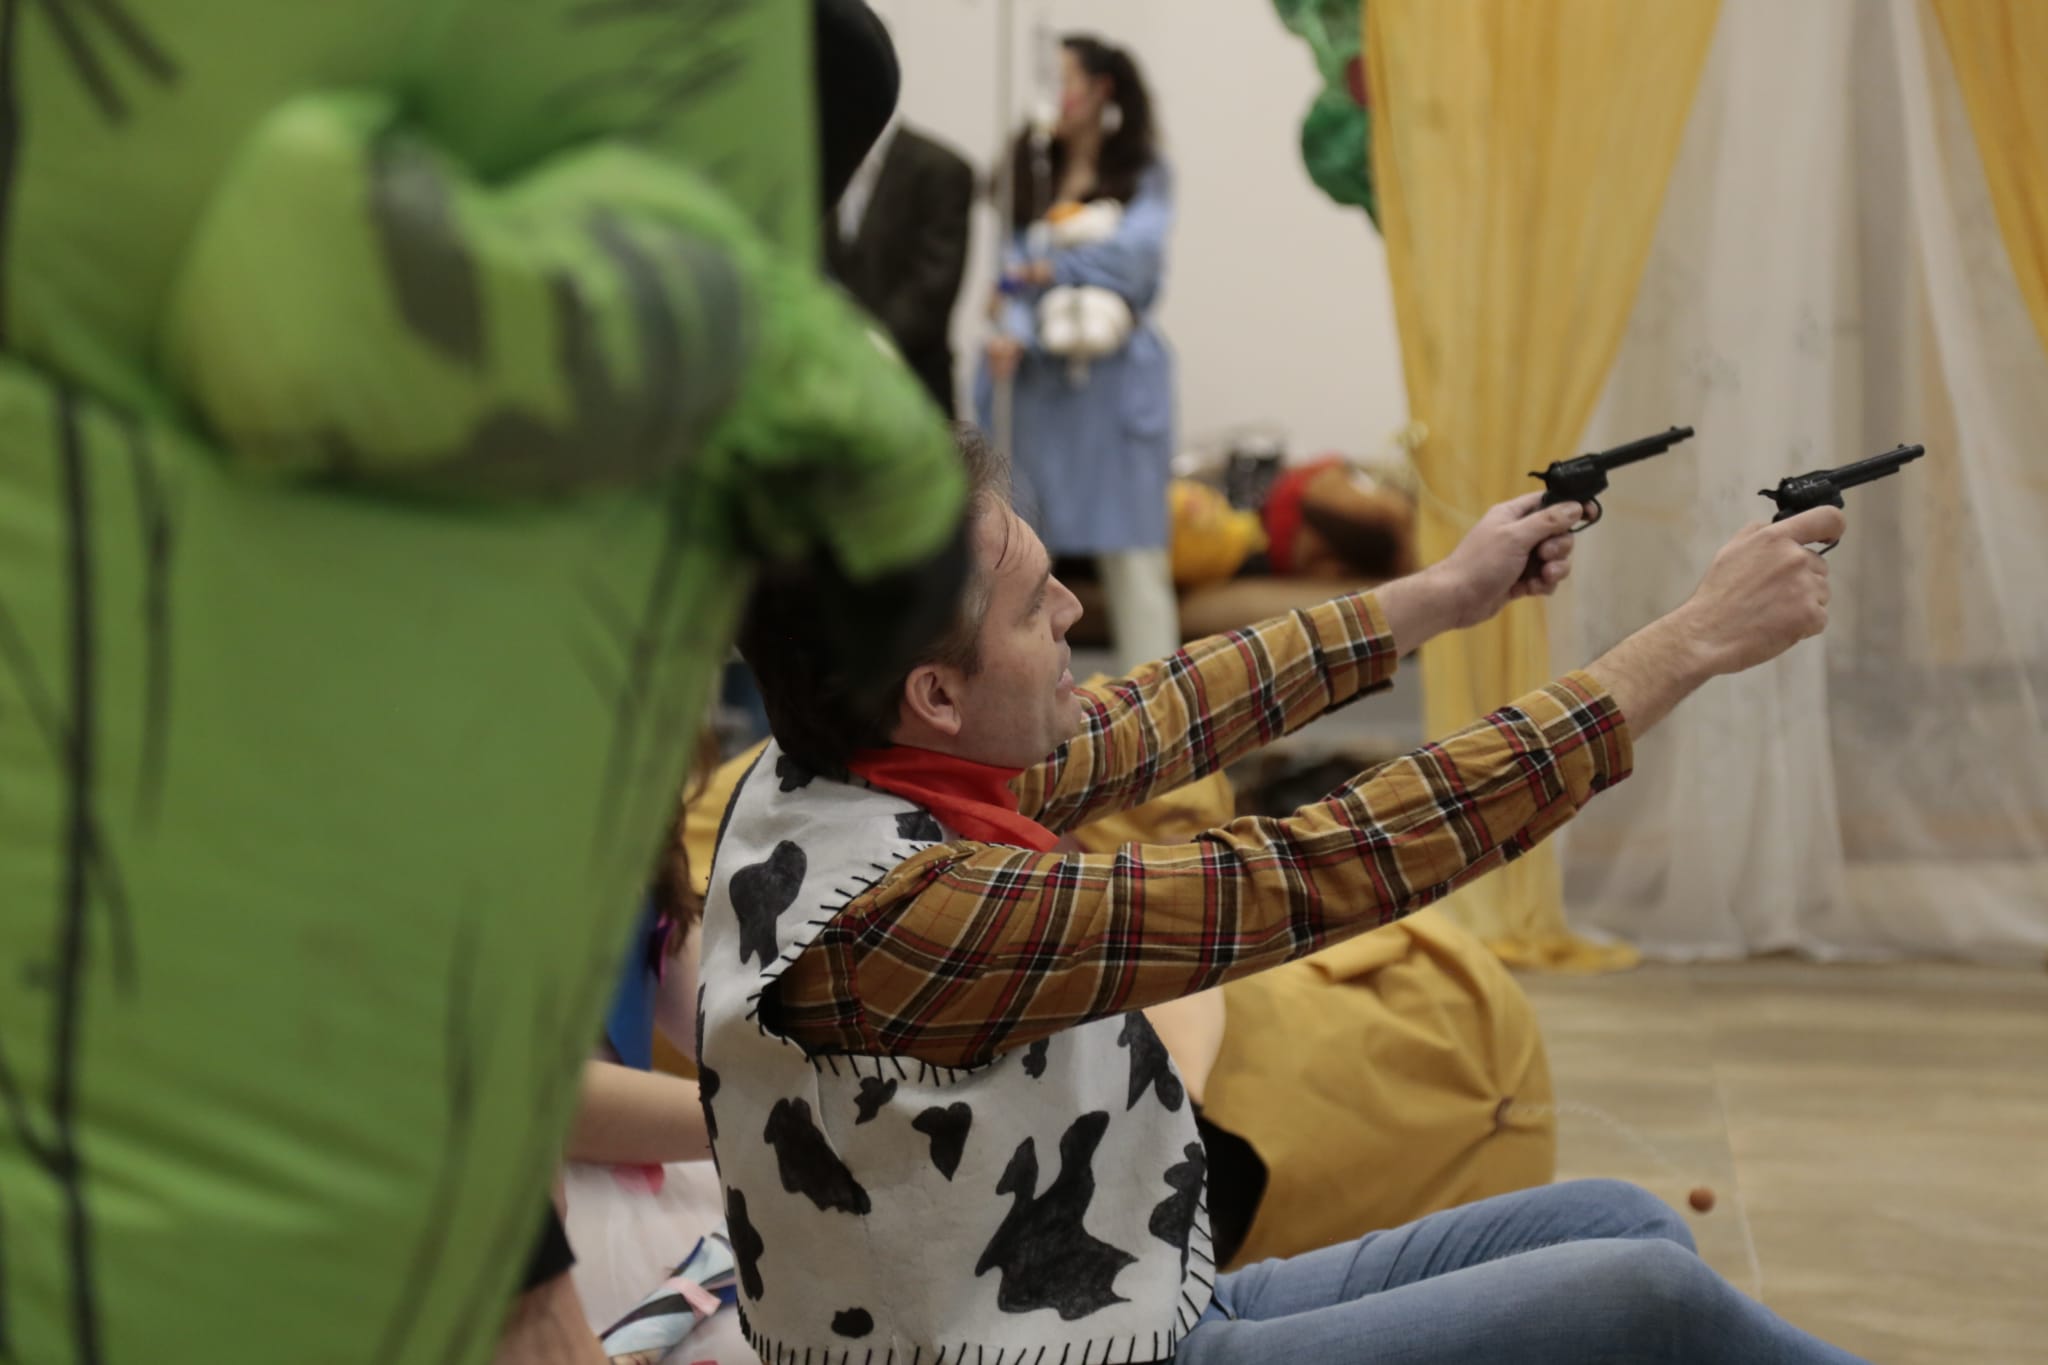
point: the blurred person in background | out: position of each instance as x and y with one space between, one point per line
898 241
1092 425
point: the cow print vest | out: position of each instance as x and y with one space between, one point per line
1044 1209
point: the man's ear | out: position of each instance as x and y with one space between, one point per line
930 702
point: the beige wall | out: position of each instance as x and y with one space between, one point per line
1277 301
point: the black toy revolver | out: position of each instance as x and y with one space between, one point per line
1584 478
1823 487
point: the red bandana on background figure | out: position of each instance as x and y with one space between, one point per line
974 798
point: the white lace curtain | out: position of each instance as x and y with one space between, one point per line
1828 280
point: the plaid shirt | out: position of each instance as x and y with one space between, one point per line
969 950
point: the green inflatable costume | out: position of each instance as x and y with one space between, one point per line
393 400
1336 132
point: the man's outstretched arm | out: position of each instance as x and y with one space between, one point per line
970 950
1217 700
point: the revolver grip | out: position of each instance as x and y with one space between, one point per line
1552 497
1793 507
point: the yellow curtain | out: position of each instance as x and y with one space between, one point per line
1999 49
1520 152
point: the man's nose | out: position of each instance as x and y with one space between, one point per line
1067 609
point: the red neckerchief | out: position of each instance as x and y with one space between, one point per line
971 797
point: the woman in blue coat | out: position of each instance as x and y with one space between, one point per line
1092 435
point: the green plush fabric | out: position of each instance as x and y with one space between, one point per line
1336 132
394 401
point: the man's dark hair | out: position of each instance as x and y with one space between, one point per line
816 643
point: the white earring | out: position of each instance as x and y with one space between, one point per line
1112 117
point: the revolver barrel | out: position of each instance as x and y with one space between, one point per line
1642 449
1876 466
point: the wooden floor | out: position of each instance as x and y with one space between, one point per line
1877 1136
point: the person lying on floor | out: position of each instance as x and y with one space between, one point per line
945 1131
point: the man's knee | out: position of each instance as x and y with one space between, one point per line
1638 1215
1662 1272
1655 1296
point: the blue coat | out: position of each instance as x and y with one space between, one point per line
1092 458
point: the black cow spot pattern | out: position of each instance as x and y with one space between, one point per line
874 1093
1045 1255
747 1245
761 893
1151 1067
707 1079
808 1164
790 774
1173 1219
853 1322
947 1128
919 825
1034 1058
707 1090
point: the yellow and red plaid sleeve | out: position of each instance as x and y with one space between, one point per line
970 950
1206 706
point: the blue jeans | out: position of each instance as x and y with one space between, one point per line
1576 1274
